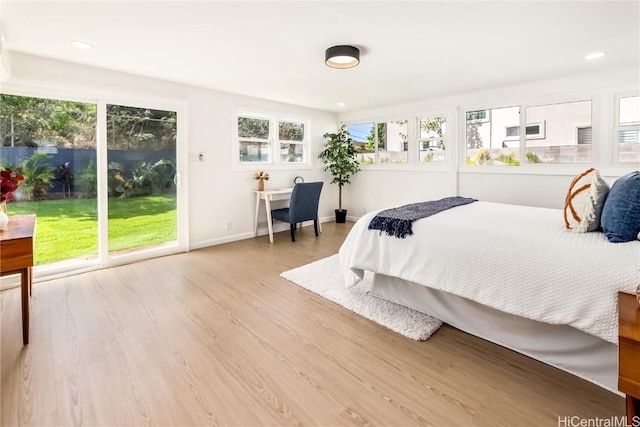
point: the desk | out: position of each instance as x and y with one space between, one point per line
629 354
16 249
268 196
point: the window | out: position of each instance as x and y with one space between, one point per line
363 136
257 144
567 136
292 137
431 139
488 141
384 142
479 115
254 135
627 128
553 133
531 131
584 135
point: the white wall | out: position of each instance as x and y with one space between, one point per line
376 189
379 187
217 194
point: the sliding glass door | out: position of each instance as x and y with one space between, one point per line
52 143
101 178
141 177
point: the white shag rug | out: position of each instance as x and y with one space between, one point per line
324 278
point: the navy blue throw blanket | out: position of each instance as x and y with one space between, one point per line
397 221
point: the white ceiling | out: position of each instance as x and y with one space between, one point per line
275 50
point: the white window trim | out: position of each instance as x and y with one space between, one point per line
536 168
101 99
449 136
413 156
376 121
617 128
305 141
274 154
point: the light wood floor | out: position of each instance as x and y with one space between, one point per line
216 337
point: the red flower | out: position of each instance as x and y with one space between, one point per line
9 182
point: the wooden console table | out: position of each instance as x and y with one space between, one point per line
16 257
629 354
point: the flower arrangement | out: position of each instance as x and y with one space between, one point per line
261 176
9 182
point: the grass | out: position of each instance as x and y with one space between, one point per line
68 229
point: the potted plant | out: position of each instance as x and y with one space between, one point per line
340 159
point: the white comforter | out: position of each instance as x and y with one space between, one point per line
516 259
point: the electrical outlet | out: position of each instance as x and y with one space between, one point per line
229 225
200 157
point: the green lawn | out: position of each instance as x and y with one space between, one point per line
67 229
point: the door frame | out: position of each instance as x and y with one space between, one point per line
138 254
104 260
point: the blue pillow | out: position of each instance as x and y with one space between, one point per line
621 212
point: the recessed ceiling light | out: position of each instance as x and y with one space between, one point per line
594 55
341 104
80 45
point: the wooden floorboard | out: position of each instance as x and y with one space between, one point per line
217 337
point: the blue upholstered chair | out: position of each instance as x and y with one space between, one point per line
303 206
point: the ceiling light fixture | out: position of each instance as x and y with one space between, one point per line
342 56
81 45
594 55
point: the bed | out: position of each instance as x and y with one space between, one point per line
509 274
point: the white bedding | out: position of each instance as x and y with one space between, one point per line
516 259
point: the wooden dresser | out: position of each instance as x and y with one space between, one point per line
629 354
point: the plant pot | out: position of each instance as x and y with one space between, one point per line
341 216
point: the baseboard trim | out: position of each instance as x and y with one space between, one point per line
262 231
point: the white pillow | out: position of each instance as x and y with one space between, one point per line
584 201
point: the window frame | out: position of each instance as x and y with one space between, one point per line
274 118
101 99
413 152
304 142
462 155
269 140
445 139
617 128
386 120
525 166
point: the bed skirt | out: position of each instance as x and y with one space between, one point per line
561 346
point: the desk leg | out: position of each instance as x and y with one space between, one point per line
24 286
267 204
255 224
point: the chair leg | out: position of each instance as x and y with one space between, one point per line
315 226
292 227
